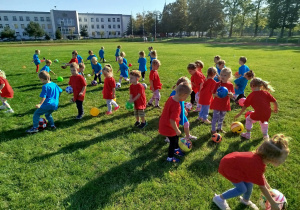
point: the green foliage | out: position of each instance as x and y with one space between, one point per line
84 32
7 33
47 37
33 29
58 34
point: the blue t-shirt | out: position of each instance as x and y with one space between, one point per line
152 58
243 69
79 58
149 53
241 83
46 68
90 58
97 68
51 92
219 72
125 61
101 53
124 70
142 66
117 52
36 59
183 118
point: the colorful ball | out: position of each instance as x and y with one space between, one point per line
42 123
94 83
129 105
144 85
188 106
216 137
242 101
237 127
118 85
277 197
88 75
60 79
222 92
130 65
185 144
94 111
69 89
248 113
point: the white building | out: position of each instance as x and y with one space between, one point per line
68 22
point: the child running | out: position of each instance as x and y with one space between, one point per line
243 68
36 60
73 60
49 103
97 69
109 89
240 85
122 54
244 169
117 54
101 54
47 67
260 100
153 55
155 84
142 64
123 69
79 58
91 55
6 92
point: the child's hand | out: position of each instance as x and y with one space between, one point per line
275 110
0 91
275 206
131 101
81 93
38 106
215 95
178 132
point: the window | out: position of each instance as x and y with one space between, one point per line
7 25
114 26
118 19
118 33
86 26
92 19
1 26
49 26
114 19
5 18
22 26
92 26
98 33
36 19
14 18
43 26
85 19
97 19
80 19
119 26
27 18
109 19
98 27
80 26
102 19
21 18
42 18
25 34
102 26
109 26
109 33
0 18
48 19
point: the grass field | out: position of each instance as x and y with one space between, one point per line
105 163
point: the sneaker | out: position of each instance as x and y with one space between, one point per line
222 204
249 203
10 111
53 127
213 132
2 107
79 117
108 113
143 79
167 140
116 108
148 105
32 130
200 119
158 107
172 159
137 123
245 135
207 122
178 152
221 131
192 137
143 125
266 137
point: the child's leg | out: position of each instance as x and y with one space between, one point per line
114 103
108 102
37 68
120 80
264 128
240 188
152 98
103 59
186 127
192 97
248 193
99 77
143 75
157 97
197 96
173 145
95 77
221 119
79 107
143 119
4 102
204 112
215 118
36 117
49 117
249 124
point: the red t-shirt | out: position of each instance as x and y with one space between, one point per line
171 111
196 80
155 78
260 101
140 103
74 60
243 167
109 84
77 82
222 104
7 91
206 92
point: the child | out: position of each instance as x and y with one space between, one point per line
117 54
138 97
260 100
216 60
153 55
79 58
49 103
5 92
109 89
155 84
220 66
244 169
150 50
91 55
183 119
73 60
47 67
169 120
78 84
101 54
243 68
36 60
206 91
97 69
197 80
124 70
200 66
142 64
81 69
122 54
221 105
240 85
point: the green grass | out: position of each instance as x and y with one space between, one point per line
104 163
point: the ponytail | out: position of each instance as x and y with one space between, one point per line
264 85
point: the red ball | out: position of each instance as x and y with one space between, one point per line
130 65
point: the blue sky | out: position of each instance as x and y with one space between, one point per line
91 6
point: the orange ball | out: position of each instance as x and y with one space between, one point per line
216 137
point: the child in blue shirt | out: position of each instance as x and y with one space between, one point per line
97 69
123 69
220 65
243 68
153 55
79 58
142 64
117 54
36 60
150 50
49 103
122 54
47 67
101 54
240 85
91 55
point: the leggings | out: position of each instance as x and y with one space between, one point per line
143 74
79 107
156 97
37 68
173 145
244 188
99 77
38 113
264 126
204 112
193 97
218 116
110 102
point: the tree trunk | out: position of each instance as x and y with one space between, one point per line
290 32
242 25
231 26
256 19
271 32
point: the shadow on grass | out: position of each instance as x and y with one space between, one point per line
31 85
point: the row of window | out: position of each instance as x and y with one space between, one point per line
103 32
102 19
102 26
5 18
26 34
16 26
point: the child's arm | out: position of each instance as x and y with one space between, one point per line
1 87
52 72
265 192
82 90
174 126
135 98
40 104
114 92
241 112
275 106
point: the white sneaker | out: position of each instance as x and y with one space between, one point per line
222 204
192 137
266 137
167 140
249 203
2 107
10 111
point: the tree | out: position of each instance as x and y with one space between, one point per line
232 8
7 33
84 32
34 30
293 16
102 33
47 37
257 5
246 8
58 34
180 16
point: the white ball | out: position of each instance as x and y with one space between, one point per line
118 85
88 75
69 89
188 105
145 85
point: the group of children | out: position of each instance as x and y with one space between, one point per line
241 168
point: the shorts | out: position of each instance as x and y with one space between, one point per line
139 113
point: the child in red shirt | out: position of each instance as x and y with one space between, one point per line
170 117
260 100
138 97
197 82
244 169
221 105
109 89
155 84
78 84
5 92
206 91
73 60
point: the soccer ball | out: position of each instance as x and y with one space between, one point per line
129 106
55 61
216 138
69 89
277 197
94 111
118 85
88 75
248 113
145 85
185 144
60 79
94 83
242 101
188 106
42 124
222 92
237 127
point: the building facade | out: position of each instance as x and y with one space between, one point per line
68 22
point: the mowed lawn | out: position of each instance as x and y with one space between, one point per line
105 163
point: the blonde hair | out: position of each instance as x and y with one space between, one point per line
48 61
119 46
108 69
122 54
102 48
156 62
192 66
135 73
182 80
243 59
199 64
120 60
75 53
37 51
154 53
81 65
249 74
274 149
91 52
227 70
264 85
2 74
74 65
44 75
142 53
211 71
184 88
94 59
